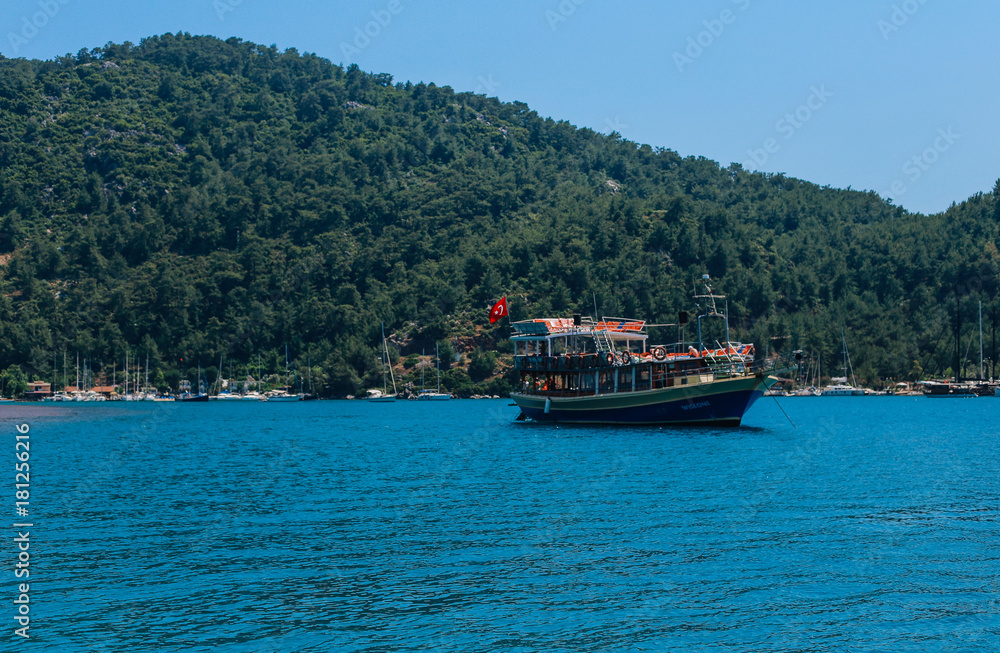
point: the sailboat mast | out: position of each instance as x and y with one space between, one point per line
385 354
437 358
843 339
980 341
958 341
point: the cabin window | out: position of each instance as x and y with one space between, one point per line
643 380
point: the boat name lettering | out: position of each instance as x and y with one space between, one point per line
700 404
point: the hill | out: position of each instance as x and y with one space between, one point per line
191 198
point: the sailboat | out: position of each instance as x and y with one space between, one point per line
840 387
201 395
435 395
383 396
283 394
311 395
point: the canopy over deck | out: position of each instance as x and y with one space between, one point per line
613 328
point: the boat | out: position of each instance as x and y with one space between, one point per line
434 395
377 396
940 390
839 386
584 370
283 395
383 396
200 396
311 395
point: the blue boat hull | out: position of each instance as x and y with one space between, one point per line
719 403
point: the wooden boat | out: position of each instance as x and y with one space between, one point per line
589 371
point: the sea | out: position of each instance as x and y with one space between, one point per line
821 524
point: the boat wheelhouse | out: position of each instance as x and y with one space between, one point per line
584 370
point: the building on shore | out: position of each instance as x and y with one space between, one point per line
38 390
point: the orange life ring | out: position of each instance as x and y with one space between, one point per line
659 353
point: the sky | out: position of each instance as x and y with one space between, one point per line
896 96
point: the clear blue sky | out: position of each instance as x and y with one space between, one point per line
896 96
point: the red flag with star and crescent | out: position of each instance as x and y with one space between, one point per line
499 310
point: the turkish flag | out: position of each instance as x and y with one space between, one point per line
499 310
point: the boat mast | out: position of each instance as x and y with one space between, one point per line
980 341
385 354
843 339
958 341
437 357
712 311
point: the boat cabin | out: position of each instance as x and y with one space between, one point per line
580 356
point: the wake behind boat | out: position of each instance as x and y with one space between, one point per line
588 371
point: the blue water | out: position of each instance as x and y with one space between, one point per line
344 526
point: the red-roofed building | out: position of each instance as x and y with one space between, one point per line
38 390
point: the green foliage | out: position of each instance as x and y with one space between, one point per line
481 365
446 354
13 382
192 197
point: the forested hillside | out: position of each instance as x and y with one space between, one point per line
190 198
